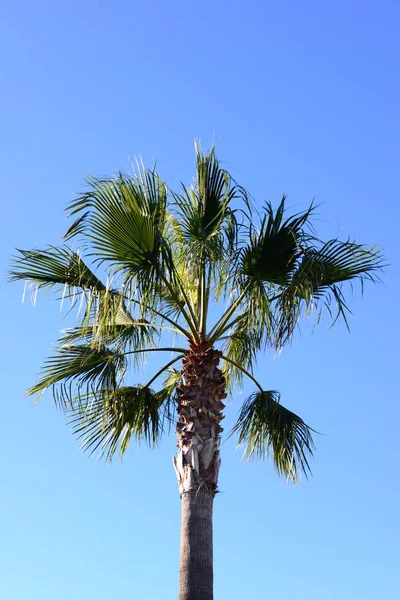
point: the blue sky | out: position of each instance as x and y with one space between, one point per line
302 99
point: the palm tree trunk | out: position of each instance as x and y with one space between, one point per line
196 559
197 464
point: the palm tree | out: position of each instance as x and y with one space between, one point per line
202 265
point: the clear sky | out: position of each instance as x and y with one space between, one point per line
302 98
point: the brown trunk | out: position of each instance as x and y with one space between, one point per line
196 561
197 464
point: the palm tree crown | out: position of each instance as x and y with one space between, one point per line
170 257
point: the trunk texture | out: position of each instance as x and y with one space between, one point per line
196 561
197 464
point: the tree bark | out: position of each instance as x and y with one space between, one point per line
196 559
197 465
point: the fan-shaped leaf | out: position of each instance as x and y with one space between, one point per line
265 424
316 282
274 249
54 266
124 222
78 370
112 418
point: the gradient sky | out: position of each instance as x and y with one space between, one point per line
301 98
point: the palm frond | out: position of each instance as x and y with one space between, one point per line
205 231
64 270
124 220
136 335
78 370
317 282
168 395
337 261
274 249
54 266
203 207
171 381
143 191
110 419
213 191
241 346
264 425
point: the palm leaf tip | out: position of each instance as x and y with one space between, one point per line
264 425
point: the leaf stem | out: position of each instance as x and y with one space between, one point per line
163 369
229 325
220 324
188 302
156 312
192 322
156 350
235 364
203 297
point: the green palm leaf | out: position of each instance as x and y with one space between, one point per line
106 315
317 282
123 220
125 225
274 249
264 425
110 419
335 262
204 207
79 370
54 266
136 335
241 346
204 228
168 395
